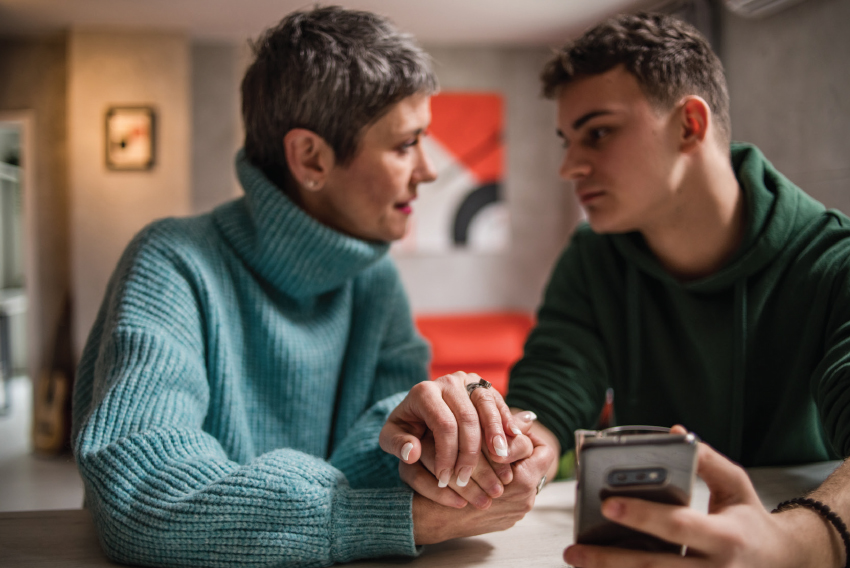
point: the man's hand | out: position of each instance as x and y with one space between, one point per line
736 532
456 420
433 522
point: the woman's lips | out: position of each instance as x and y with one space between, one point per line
405 208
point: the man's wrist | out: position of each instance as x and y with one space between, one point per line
813 536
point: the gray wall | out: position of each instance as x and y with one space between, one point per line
33 76
789 81
216 74
542 209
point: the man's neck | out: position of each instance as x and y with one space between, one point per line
699 237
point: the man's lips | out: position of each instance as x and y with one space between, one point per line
587 196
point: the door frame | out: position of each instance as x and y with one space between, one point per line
25 120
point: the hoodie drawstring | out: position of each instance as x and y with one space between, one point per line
739 355
633 332
739 370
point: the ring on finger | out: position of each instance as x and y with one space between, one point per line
480 384
541 484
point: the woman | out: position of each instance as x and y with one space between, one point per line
231 393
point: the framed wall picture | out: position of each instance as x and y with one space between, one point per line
130 136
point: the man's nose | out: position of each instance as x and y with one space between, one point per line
573 165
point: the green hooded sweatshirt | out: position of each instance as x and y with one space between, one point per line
754 358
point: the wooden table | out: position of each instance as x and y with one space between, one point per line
66 539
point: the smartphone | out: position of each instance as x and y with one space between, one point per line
655 467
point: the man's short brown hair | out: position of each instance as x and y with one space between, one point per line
669 58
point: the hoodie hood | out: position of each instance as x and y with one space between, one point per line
777 213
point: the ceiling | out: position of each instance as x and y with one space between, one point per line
441 22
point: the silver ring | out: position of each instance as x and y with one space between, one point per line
480 384
541 484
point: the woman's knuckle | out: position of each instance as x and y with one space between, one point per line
483 395
420 389
446 425
467 416
470 452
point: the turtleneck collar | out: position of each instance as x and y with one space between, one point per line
286 247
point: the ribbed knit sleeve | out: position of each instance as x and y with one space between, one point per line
402 361
175 474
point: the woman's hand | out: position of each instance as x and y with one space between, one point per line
736 532
433 522
488 478
456 419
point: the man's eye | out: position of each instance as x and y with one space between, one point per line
598 134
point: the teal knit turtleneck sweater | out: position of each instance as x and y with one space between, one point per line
230 395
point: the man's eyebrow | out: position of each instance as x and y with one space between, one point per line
592 114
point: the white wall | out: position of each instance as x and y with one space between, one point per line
542 208
789 84
109 207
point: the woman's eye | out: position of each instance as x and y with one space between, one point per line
408 145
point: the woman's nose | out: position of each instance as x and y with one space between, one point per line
425 169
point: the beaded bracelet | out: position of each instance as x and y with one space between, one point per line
825 512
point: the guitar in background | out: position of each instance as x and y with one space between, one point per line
52 394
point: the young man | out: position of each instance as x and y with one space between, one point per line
706 289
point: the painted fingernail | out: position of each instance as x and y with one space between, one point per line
463 476
444 478
405 450
500 446
527 416
516 430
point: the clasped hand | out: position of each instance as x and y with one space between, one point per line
457 448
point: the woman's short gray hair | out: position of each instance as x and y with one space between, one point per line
330 70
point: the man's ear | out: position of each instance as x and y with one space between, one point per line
695 116
309 158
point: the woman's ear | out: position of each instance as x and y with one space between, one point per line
309 158
695 118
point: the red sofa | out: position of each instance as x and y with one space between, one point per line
488 343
